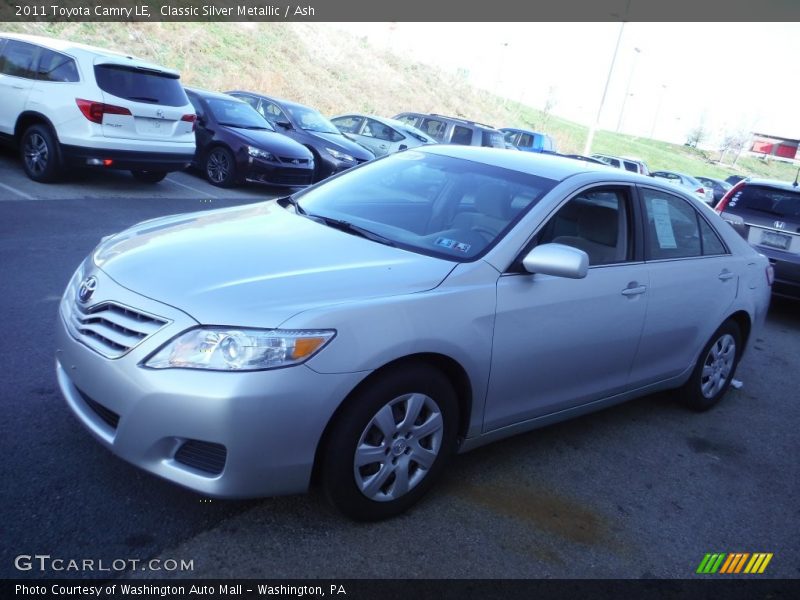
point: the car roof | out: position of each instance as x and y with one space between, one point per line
69 47
517 129
546 165
274 99
785 185
209 94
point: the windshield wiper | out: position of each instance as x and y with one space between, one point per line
321 130
291 200
349 227
143 98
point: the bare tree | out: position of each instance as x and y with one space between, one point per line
549 105
697 135
734 141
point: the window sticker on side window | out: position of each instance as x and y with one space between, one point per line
663 224
452 244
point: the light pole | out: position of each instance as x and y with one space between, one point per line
588 147
628 88
658 109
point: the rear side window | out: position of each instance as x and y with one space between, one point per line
18 59
774 202
57 67
461 135
675 229
493 139
630 166
140 85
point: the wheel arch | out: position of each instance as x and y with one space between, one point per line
745 324
28 118
449 367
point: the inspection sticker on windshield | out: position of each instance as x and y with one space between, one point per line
452 244
664 233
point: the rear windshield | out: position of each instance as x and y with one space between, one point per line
493 139
140 85
771 201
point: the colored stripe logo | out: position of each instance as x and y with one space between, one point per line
734 562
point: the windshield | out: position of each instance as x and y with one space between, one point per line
234 113
437 205
311 120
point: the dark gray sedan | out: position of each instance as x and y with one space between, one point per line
362 331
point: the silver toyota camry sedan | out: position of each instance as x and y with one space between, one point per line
359 333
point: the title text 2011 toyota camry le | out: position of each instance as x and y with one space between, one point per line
359 333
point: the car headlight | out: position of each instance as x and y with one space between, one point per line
259 153
234 349
340 155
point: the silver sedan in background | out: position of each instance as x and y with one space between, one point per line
363 330
381 135
689 183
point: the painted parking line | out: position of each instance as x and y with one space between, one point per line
14 190
194 189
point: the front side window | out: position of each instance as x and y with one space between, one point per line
595 221
437 205
18 59
140 85
461 135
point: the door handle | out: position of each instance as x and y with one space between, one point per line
18 87
725 275
634 290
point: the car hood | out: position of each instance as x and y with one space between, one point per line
338 141
258 265
271 141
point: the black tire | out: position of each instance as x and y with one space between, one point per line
40 154
219 167
415 385
715 369
149 176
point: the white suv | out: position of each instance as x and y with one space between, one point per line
69 105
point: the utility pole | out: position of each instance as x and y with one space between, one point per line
658 109
590 138
627 88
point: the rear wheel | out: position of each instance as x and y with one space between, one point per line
40 154
149 176
220 167
715 368
390 443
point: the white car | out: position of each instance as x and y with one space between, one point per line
70 105
687 182
382 136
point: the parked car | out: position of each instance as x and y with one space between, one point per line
734 179
333 152
452 130
718 187
382 136
767 214
70 105
588 159
235 144
687 182
363 330
528 141
629 164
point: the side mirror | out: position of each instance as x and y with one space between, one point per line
402 147
284 124
557 260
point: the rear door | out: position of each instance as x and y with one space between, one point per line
693 282
17 73
149 104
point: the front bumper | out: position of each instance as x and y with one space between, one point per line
257 169
262 428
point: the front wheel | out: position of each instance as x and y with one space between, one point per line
715 368
149 176
390 442
220 167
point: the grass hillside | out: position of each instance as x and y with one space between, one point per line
337 72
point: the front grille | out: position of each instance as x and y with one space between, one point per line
294 161
107 415
109 328
289 177
203 456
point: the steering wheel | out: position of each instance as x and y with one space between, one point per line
484 232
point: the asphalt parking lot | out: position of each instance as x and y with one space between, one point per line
641 490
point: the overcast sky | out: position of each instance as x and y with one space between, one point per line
729 75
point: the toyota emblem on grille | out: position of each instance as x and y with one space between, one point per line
87 288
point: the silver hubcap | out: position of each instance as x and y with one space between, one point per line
398 447
218 166
36 153
718 365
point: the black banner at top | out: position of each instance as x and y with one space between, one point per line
405 10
